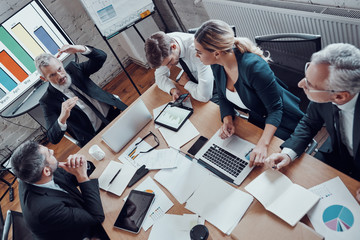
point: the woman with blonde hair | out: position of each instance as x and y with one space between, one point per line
245 81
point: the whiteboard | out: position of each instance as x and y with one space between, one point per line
111 16
26 34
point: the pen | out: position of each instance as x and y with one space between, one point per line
115 176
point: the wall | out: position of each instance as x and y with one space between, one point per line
71 15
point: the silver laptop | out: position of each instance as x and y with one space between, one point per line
127 126
228 158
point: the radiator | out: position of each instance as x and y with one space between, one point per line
253 20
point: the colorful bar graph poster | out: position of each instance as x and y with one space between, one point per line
26 34
12 66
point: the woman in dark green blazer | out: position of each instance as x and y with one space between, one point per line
245 81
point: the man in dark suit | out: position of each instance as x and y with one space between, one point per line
332 83
73 102
52 205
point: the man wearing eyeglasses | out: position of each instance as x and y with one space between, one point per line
332 83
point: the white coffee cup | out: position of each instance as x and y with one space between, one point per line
96 152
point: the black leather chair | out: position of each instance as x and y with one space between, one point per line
289 53
15 221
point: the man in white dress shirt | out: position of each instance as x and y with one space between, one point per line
165 50
332 83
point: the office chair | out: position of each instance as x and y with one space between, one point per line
5 154
289 53
19 229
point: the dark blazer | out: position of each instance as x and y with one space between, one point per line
316 115
78 124
53 214
261 92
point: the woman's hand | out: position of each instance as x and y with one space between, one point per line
258 155
228 128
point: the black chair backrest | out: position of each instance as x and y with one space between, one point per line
289 53
20 230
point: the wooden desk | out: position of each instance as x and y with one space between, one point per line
305 171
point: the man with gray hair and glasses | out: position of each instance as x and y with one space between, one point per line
73 103
52 204
332 83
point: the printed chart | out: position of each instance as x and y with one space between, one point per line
338 218
25 35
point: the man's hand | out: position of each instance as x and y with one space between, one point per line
66 109
277 160
228 128
258 155
175 93
183 79
71 49
358 195
77 166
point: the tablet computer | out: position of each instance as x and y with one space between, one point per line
173 117
134 211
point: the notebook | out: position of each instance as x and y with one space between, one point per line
228 158
127 126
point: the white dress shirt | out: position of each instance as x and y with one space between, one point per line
51 185
202 91
346 119
234 97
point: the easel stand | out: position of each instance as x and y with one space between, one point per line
118 59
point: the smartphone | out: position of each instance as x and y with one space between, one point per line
197 145
134 211
179 101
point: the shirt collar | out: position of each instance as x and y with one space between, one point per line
349 106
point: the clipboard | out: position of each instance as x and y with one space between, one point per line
173 117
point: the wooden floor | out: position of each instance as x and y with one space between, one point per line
122 87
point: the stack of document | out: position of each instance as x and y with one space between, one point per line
116 177
181 137
174 227
205 194
280 196
219 203
160 205
337 214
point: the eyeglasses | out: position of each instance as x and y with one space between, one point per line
307 85
132 152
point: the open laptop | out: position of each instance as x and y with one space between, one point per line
127 126
228 158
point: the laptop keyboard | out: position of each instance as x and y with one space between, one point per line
225 160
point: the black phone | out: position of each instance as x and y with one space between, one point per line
179 101
197 145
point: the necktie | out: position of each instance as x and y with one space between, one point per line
87 102
187 70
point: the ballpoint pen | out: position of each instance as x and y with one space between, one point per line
115 176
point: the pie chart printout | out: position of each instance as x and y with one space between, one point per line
338 218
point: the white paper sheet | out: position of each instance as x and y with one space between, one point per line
182 181
219 203
121 181
181 137
159 159
337 214
174 227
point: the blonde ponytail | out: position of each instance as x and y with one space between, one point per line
246 45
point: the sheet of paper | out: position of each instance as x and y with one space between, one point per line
182 181
121 181
160 205
219 203
337 214
159 159
131 154
280 196
179 138
174 227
